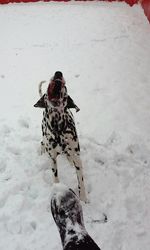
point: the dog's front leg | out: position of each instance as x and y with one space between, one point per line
55 170
79 171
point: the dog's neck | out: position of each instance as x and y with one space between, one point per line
57 109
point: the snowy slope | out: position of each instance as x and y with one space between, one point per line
103 50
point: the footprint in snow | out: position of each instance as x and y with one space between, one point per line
77 75
99 161
29 227
114 139
5 130
140 153
47 176
3 201
3 166
33 225
117 239
15 226
23 123
14 150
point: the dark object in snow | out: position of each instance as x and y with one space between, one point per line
103 220
68 216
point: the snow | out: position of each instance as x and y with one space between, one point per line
103 50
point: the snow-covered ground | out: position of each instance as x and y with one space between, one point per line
103 50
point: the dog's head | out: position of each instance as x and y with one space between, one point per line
55 89
54 93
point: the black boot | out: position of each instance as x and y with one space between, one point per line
67 213
85 243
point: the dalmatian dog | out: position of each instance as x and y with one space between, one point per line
59 133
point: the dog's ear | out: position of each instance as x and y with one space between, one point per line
40 103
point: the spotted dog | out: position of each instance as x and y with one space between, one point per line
60 135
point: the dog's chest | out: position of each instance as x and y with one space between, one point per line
59 131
